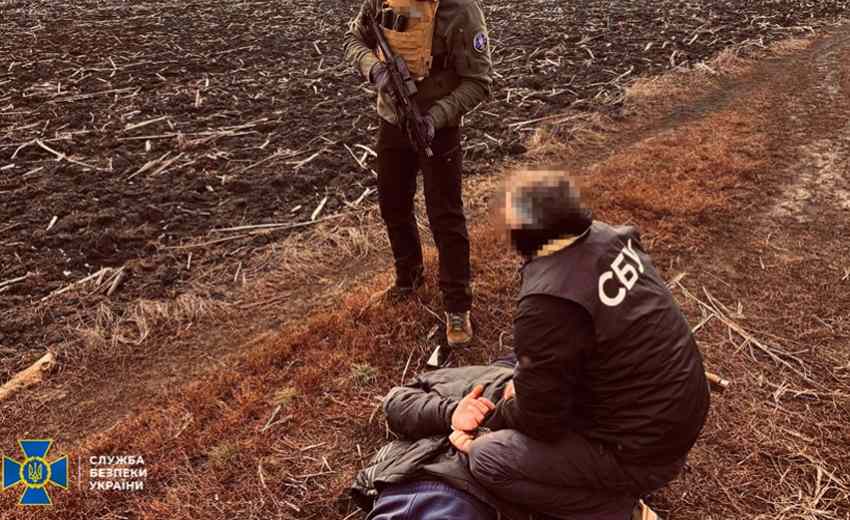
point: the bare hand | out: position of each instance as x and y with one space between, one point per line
509 392
461 440
471 410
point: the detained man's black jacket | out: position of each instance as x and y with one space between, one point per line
420 414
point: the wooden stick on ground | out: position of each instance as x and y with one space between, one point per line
72 285
149 164
63 157
299 164
133 126
717 383
319 209
166 164
28 377
119 278
4 285
282 225
277 154
778 355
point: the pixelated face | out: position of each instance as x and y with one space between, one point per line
515 216
538 206
525 197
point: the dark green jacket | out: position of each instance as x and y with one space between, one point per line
461 75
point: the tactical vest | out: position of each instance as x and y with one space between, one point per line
415 42
645 374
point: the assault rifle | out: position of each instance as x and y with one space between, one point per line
403 88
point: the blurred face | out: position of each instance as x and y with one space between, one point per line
512 215
535 208
518 225
516 210
502 215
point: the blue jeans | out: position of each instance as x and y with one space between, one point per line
428 500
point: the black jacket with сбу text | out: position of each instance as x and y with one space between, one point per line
604 350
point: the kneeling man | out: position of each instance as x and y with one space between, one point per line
609 393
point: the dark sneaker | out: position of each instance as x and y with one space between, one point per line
458 328
399 292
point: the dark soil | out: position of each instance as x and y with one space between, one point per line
222 86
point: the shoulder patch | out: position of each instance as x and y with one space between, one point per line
479 41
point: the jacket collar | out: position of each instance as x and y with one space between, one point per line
555 245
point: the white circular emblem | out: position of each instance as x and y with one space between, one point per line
479 42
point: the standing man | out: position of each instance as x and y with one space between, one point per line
609 393
446 48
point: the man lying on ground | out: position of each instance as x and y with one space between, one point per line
421 476
610 391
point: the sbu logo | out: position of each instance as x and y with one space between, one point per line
35 472
626 274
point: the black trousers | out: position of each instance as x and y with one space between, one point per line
398 166
572 478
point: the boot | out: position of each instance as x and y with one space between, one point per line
398 292
458 328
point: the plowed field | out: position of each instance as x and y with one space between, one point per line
144 126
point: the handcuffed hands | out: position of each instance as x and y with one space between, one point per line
461 440
471 411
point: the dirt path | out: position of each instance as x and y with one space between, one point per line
741 181
781 268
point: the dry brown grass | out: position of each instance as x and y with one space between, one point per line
693 169
790 45
133 327
564 136
687 83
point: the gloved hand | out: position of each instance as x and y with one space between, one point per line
425 128
428 131
379 76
